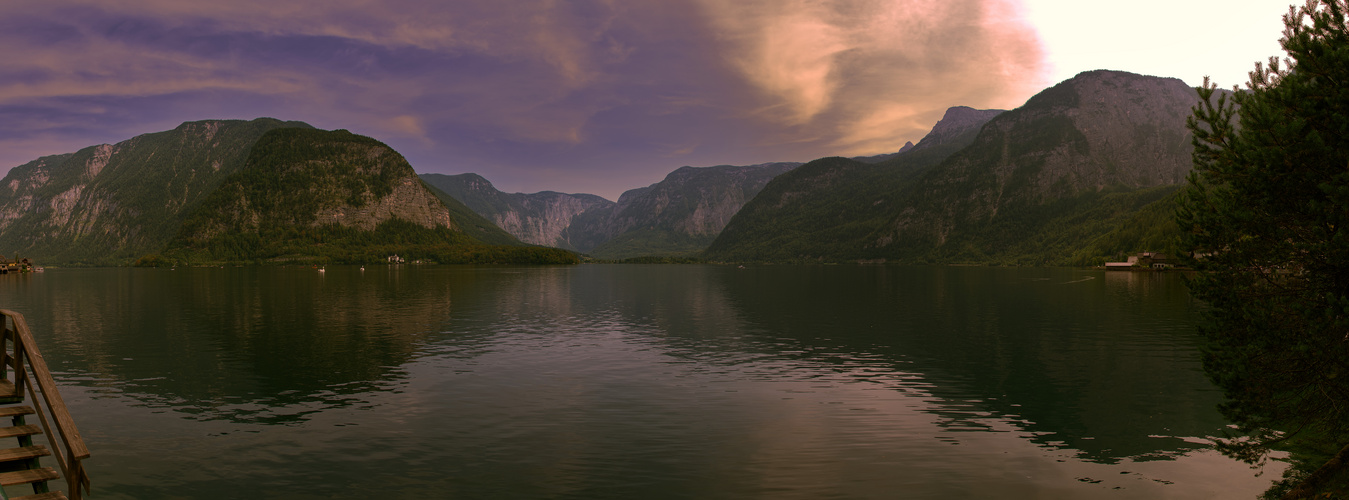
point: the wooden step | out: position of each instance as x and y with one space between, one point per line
54 495
7 390
28 476
23 453
13 411
19 430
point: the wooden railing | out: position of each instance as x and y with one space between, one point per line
20 352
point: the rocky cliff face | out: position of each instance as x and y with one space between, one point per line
408 200
1101 131
957 121
550 217
111 202
693 201
547 218
678 215
684 212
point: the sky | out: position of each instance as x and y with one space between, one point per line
585 96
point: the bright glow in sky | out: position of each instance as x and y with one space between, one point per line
593 96
1185 39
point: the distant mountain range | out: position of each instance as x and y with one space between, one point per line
1084 170
677 216
548 218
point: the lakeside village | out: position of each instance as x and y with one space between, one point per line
1145 261
17 265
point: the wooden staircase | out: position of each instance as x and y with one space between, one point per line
25 373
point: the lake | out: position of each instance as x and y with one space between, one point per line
633 381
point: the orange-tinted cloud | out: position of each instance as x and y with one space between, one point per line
601 95
866 72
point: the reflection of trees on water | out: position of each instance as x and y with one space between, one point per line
1087 361
1095 365
1104 366
265 345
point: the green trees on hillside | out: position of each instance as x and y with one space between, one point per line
268 212
1267 216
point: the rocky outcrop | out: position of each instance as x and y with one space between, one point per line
958 120
408 201
684 212
693 201
681 214
546 218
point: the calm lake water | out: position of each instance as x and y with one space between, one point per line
626 381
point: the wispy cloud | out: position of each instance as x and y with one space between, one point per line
859 71
524 91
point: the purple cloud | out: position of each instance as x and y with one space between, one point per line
586 96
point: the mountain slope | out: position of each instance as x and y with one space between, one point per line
830 207
679 215
1103 142
1152 228
314 195
546 218
683 213
110 203
472 224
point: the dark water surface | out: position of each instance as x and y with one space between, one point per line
609 381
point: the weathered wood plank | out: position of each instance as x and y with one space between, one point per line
64 423
10 411
19 430
28 476
23 453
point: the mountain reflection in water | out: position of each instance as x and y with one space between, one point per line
615 381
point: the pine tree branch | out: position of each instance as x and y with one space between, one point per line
1316 479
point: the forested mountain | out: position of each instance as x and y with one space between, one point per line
547 218
109 203
1036 185
828 208
1042 181
306 195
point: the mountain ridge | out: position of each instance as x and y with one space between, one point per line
829 205
1098 133
1051 178
542 218
678 215
1034 185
